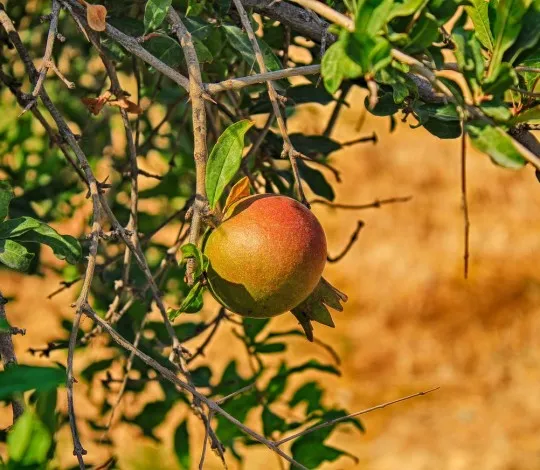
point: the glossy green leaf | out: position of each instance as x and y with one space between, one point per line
224 160
385 106
529 36
406 8
478 13
424 32
20 378
29 441
508 23
14 227
14 255
155 12
372 16
192 303
6 195
443 129
63 246
239 40
497 84
496 143
316 181
181 446
337 65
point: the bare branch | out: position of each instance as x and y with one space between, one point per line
334 259
7 354
242 82
352 415
371 205
465 206
200 151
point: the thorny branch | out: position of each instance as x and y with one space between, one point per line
8 357
200 151
288 149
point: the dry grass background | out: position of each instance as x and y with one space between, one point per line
412 321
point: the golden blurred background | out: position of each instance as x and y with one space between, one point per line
412 322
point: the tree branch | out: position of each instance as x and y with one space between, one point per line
288 148
7 354
200 151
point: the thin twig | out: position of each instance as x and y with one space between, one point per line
200 150
465 206
46 63
288 148
341 100
334 259
377 203
352 415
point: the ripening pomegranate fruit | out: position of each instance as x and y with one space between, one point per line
266 256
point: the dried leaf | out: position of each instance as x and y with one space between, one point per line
239 191
129 106
95 105
314 308
96 17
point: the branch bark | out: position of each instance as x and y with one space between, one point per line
7 354
196 89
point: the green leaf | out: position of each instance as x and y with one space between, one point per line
224 160
496 143
528 36
316 181
6 195
192 303
14 227
311 393
531 60
424 32
63 246
189 250
372 16
442 129
272 422
241 43
478 13
337 65
385 106
253 326
406 8
270 348
154 13
181 446
46 408
169 51
531 114
508 22
94 367
29 441
14 255
499 83
20 378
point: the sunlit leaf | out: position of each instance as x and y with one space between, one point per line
224 160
